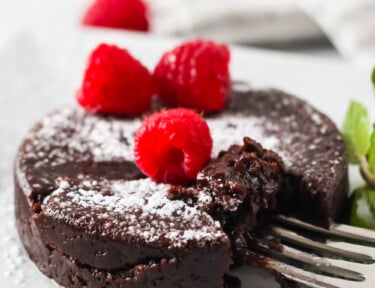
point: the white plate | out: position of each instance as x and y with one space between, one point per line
38 74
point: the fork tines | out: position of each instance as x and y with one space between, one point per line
345 260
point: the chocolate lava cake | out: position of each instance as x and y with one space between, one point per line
89 218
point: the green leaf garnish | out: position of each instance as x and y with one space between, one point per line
356 131
371 154
363 209
360 144
371 201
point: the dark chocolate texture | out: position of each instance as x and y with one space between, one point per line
235 187
312 150
74 170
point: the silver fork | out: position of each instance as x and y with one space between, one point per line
345 260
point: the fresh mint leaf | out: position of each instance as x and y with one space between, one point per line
363 208
356 131
371 154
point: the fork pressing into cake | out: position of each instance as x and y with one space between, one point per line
345 259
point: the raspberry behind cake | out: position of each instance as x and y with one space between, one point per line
88 217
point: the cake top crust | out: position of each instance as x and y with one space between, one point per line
137 211
302 136
70 143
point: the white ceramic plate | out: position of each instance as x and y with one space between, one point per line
38 74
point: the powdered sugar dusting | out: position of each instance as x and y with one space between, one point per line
110 140
132 209
71 134
230 129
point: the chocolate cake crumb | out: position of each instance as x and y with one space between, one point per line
236 186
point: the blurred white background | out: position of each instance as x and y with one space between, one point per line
307 26
304 26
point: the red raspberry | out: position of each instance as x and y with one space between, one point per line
172 146
124 14
195 75
115 83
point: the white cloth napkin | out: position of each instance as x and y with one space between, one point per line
249 21
349 24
